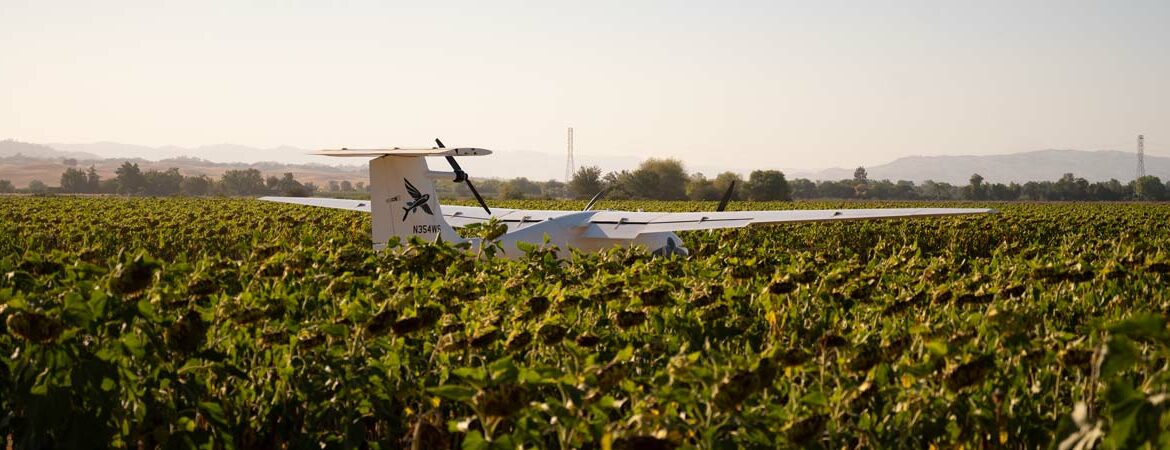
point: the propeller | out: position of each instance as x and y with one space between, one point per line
595 198
461 176
726 197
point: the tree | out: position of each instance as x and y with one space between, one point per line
934 190
242 182
724 180
700 188
905 190
1150 187
860 176
334 186
553 189
616 183
586 182
1033 190
130 179
882 189
861 190
767 185
74 181
163 183
803 188
109 186
659 179
346 186
643 184
836 189
975 190
290 187
1002 192
1110 191
6 187
93 181
195 186
518 188
37 187
1069 187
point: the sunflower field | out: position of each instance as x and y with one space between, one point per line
233 323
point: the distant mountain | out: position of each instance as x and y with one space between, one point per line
1043 165
22 169
9 147
219 153
537 166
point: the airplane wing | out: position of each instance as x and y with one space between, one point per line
628 225
459 216
456 216
336 203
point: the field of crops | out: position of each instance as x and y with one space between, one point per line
221 323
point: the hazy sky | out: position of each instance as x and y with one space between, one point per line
790 84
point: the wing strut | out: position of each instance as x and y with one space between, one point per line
595 198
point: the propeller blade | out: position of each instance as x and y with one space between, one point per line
477 196
460 175
726 197
595 198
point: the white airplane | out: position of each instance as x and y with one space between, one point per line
404 204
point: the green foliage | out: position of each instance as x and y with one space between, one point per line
767 185
130 179
243 182
586 183
230 323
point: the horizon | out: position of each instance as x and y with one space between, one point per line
784 84
502 165
344 162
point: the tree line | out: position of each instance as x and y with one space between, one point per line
655 179
666 179
129 179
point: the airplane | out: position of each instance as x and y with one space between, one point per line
404 204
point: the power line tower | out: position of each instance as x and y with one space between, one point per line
1141 156
1141 172
570 166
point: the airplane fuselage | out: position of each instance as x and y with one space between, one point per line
569 231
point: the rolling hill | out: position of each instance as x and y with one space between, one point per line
1040 165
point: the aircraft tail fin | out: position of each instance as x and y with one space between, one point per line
403 202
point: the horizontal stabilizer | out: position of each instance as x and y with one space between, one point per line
376 152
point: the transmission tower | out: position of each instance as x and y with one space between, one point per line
1141 156
570 166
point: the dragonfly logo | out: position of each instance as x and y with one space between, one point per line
419 201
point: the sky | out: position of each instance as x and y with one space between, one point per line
790 84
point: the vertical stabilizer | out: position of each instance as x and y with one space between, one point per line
403 202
